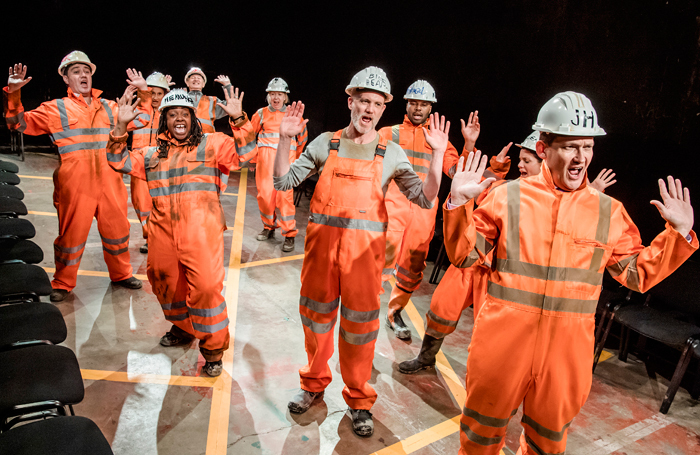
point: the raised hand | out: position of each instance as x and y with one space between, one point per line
503 155
438 136
471 130
223 80
604 180
169 78
293 121
467 183
136 79
17 78
675 208
234 102
128 110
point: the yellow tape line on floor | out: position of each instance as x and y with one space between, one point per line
32 212
93 273
121 376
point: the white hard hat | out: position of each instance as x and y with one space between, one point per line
75 57
195 70
530 142
569 114
176 98
158 80
421 90
371 78
277 85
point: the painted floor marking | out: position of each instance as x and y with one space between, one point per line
32 212
34 177
122 376
422 439
271 261
94 273
627 436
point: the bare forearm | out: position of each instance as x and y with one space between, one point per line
120 129
282 157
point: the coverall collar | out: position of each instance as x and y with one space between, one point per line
272 109
94 93
408 122
547 177
167 137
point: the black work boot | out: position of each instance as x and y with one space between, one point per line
265 234
362 423
302 401
426 356
213 369
399 327
129 283
144 248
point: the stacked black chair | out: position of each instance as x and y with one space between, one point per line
670 314
43 380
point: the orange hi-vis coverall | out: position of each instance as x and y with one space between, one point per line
258 137
207 110
344 254
411 228
140 198
186 227
84 184
537 321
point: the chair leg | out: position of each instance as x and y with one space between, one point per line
624 343
438 266
601 324
678 374
695 393
601 343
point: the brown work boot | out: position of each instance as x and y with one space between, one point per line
170 339
362 423
288 244
58 295
266 234
302 401
129 283
213 369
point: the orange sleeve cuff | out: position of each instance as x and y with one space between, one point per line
122 138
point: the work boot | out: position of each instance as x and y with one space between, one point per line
213 369
362 423
265 234
58 295
288 244
302 401
129 283
170 339
399 327
144 248
426 356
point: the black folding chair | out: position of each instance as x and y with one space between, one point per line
23 283
57 436
16 228
6 166
440 261
11 191
9 178
11 207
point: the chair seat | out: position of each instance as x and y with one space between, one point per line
9 178
17 227
666 327
57 436
11 206
20 250
23 278
31 321
39 373
7 166
11 191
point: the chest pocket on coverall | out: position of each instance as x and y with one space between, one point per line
586 258
355 188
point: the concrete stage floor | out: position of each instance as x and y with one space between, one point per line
148 399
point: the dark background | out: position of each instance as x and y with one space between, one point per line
638 61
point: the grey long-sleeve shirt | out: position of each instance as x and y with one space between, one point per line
395 166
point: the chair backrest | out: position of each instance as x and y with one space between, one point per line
680 291
18 228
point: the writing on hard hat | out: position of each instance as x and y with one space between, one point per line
75 57
530 142
195 70
569 114
421 90
176 98
371 78
158 80
277 85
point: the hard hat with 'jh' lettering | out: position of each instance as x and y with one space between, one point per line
371 78
569 114
421 90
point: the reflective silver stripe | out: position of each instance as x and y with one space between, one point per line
109 113
145 131
208 312
603 229
182 188
212 104
143 214
287 218
70 250
395 133
174 305
388 272
17 120
269 225
470 259
117 157
319 307
347 223
114 241
147 159
79 132
632 281
619 267
537 449
202 149
213 328
246 148
359 316
421 169
545 432
407 273
453 170
270 146
180 171
542 272
269 217
435 334
513 240
358 339
115 252
486 420
544 302
63 114
142 120
477 438
260 115
420 155
268 135
97 145
446 322
177 317
69 261
482 244
206 122
317 327
127 166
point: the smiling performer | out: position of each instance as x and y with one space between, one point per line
258 138
84 184
346 236
186 226
208 108
552 236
